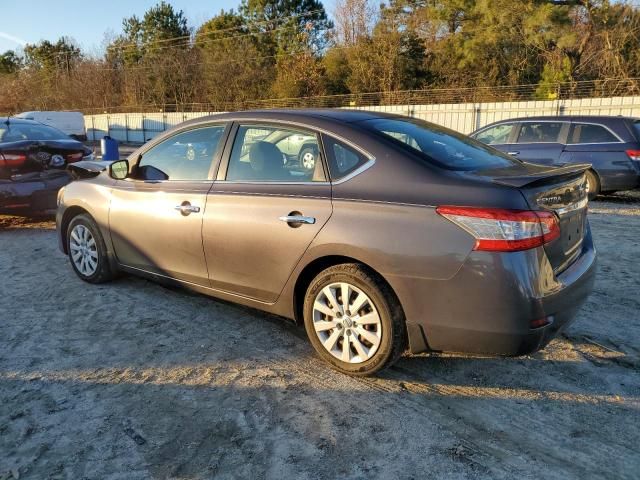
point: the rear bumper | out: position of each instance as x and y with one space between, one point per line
488 306
37 194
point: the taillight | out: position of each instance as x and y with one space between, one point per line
11 159
541 322
634 155
74 157
500 230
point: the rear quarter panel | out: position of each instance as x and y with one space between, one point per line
394 239
406 244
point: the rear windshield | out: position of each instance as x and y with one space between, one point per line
15 132
441 146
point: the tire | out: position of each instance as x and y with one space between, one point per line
91 246
384 342
593 184
308 157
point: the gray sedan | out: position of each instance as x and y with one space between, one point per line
401 235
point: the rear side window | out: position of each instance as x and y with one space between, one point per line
439 145
589 133
342 158
636 128
540 132
496 135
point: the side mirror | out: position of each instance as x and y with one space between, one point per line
119 170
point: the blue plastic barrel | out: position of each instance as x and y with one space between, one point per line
109 148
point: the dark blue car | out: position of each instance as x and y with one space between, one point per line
610 144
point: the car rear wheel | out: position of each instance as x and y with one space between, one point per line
87 250
593 184
354 320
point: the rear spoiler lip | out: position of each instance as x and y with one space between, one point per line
572 170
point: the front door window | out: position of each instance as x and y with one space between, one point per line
264 153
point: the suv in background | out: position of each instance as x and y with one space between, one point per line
610 144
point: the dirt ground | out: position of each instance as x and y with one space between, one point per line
132 380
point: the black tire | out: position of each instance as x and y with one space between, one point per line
593 184
103 271
393 340
301 157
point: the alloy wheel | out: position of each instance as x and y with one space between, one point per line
84 251
308 160
346 322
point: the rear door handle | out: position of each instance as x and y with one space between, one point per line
186 208
515 154
297 219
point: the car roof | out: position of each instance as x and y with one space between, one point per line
567 118
17 121
334 114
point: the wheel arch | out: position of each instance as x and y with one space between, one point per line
597 176
314 267
69 214
304 146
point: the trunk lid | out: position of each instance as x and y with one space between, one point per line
40 155
561 191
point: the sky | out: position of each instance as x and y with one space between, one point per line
87 21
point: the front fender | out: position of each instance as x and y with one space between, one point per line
91 196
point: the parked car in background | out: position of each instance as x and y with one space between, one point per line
610 144
403 235
71 123
33 158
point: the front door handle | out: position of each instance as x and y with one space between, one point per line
186 208
515 154
295 219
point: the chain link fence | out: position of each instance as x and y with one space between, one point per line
558 91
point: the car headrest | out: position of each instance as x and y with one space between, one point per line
265 157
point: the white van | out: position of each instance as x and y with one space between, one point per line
71 123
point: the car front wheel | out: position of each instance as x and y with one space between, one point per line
354 320
87 250
308 158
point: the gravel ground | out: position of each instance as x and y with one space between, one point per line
132 380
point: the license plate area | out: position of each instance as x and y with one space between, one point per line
572 231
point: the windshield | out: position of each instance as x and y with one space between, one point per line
441 146
15 132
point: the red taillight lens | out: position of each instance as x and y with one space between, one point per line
541 322
634 155
74 157
500 230
12 159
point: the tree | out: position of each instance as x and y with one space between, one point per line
294 34
281 22
233 70
155 56
392 58
52 57
299 73
354 20
10 62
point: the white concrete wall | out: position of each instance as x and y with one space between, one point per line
463 117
